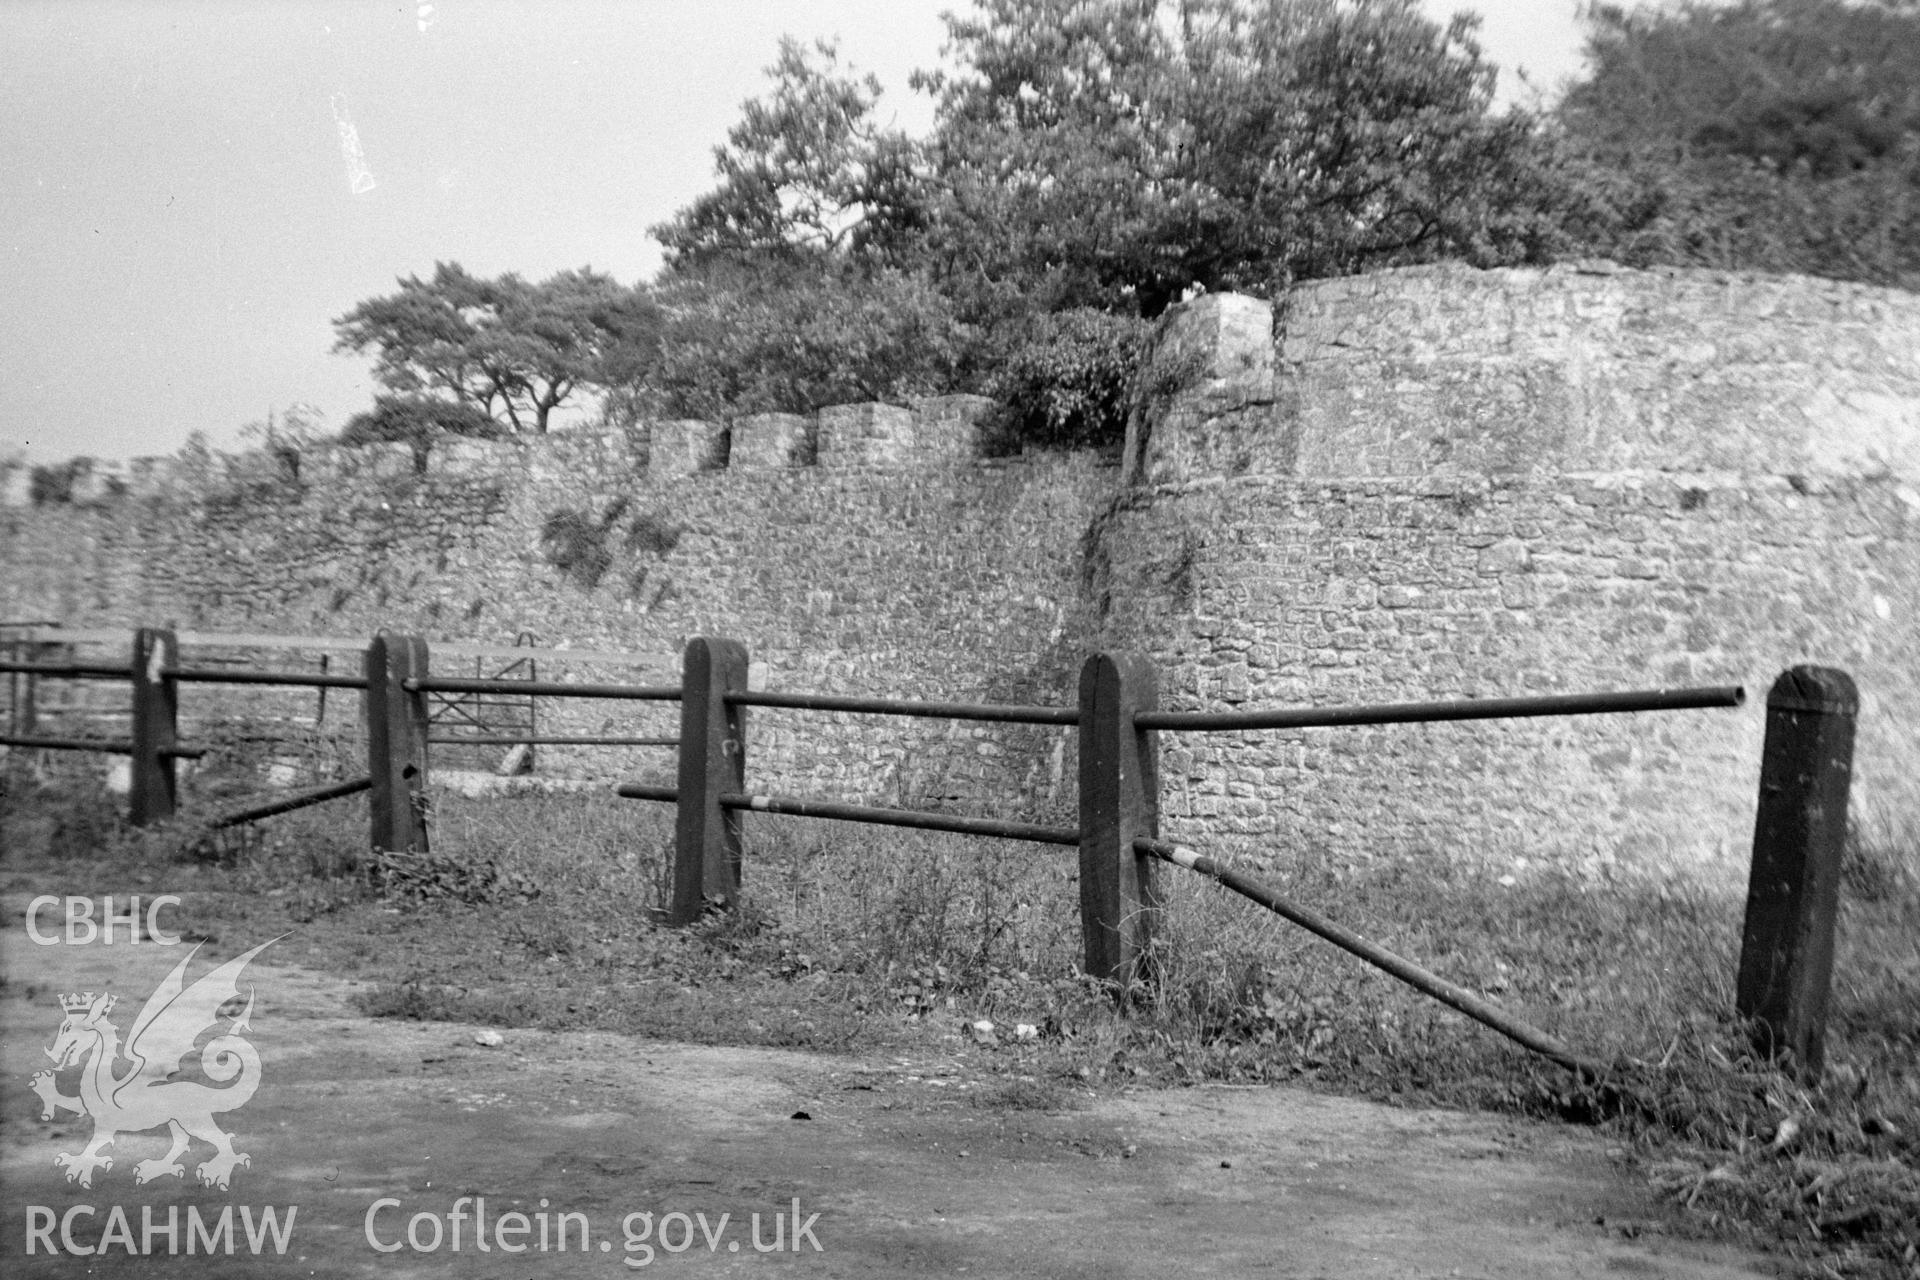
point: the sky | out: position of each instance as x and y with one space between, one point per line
191 192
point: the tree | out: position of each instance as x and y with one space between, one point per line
1329 138
776 292
752 337
1779 135
1089 154
800 173
1054 172
418 422
1116 152
510 350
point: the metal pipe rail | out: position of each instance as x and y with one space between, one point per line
916 818
541 688
69 670
186 675
287 804
537 741
1424 980
106 746
1473 709
312 680
1002 712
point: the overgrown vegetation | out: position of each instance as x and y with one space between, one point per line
1090 162
1066 382
1766 135
52 486
418 422
582 546
855 938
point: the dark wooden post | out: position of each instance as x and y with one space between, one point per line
397 743
1799 837
1119 803
713 761
156 716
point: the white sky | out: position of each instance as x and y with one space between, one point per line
178 219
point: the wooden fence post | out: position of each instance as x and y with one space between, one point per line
713 761
1119 803
1799 838
154 790
397 743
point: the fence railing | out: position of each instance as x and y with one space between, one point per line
1787 941
395 684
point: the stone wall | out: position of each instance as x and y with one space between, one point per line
1423 484
1451 483
863 551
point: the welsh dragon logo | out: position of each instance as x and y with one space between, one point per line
145 1095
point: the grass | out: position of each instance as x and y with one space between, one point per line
539 911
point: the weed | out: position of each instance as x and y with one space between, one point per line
1882 858
576 544
868 938
651 535
425 877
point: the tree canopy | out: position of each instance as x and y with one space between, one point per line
1103 158
1773 135
511 350
1105 154
1120 152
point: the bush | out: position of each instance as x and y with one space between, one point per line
1066 381
52 486
795 337
417 421
1769 135
576 544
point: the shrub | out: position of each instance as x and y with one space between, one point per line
576 544
1066 381
785 337
417 421
52 486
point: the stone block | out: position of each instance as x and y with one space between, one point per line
470 458
772 442
159 477
1220 348
16 485
1207 388
949 426
389 459
867 435
684 446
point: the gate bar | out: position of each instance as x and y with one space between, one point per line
919 819
1003 712
535 740
106 746
299 800
307 679
1424 980
70 670
543 688
916 818
1574 704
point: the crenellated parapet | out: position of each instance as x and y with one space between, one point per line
935 432
1431 483
1580 368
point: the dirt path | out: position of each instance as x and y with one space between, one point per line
361 1125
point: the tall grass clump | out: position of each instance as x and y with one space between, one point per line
546 910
